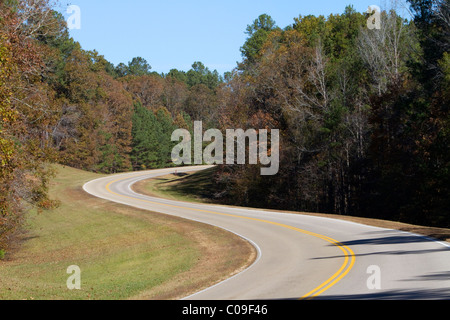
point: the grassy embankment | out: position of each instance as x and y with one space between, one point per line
189 187
123 253
194 187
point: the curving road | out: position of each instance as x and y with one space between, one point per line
304 257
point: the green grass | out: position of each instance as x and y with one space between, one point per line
121 252
189 187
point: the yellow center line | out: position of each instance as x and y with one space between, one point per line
337 277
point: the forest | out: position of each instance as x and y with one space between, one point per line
363 113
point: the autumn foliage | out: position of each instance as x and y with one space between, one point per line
363 113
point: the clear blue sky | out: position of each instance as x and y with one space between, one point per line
175 33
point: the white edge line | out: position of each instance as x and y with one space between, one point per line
443 243
259 255
255 245
425 237
258 249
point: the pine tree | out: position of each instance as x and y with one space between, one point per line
146 144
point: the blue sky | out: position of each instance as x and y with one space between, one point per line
175 33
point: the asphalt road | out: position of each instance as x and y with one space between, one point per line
304 257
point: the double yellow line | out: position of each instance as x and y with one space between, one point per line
349 260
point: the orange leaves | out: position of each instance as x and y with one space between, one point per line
27 111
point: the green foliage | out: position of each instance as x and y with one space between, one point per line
145 153
110 159
138 66
199 74
165 121
178 75
365 118
152 145
264 22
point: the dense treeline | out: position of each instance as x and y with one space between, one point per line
27 112
363 113
60 103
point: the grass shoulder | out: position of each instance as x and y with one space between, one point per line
189 187
123 253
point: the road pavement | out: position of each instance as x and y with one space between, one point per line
301 256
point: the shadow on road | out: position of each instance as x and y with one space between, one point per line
411 294
389 240
393 295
